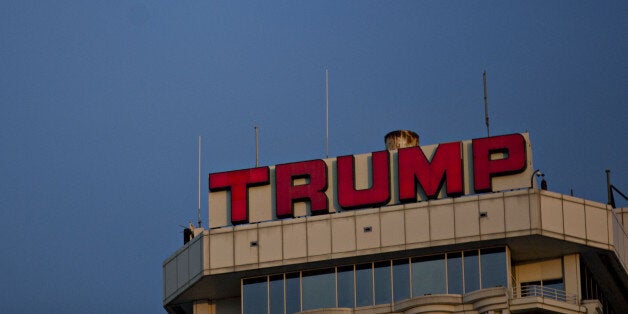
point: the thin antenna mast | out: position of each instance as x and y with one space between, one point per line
326 113
256 146
199 181
488 132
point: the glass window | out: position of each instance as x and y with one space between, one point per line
345 287
382 283
531 288
364 284
554 284
401 279
254 295
428 275
293 293
493 263
275 286
319 289
454 273
471 271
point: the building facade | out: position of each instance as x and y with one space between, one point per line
450 228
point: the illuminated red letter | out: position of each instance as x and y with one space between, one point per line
446 165
513 147
315 173
379 192
238 182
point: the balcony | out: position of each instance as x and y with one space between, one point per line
535 298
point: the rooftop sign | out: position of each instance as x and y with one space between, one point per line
377 179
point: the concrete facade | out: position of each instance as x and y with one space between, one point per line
505 248
548 236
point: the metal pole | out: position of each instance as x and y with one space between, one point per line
199 181
488 132
256 146
609 190
326 113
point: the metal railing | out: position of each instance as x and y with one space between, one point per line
544 292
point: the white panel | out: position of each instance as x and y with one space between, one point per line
493 206
318 237
574 218
466 218
517 212
343 234
442 221
393 231
219 209
221 249
270 244
182 268
245 253
260 208
552 214
545 270
294 241
195 258
552 269
367 239
170 278
417 225
596 224
363 175
572 273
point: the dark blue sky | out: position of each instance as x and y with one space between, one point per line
102 103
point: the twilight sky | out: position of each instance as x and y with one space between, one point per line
102 103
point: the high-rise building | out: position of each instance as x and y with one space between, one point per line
456 227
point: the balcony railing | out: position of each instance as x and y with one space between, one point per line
544 292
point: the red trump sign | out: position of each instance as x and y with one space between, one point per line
389 177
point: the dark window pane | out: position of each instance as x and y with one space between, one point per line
454 273
428 275
276 294
471 271
531 288
255 295
345 287
401 279
554 284
493 263
319 289
293 293
382 283
364 284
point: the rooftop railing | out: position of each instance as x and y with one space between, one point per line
544 292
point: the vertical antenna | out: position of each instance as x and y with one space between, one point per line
326 113
488 132
256 147
199 181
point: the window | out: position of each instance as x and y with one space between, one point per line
293 293
319 289
454 273
493 267
471 271
276 294
382 283
401 279
254 295
346 277
428 275
364 284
